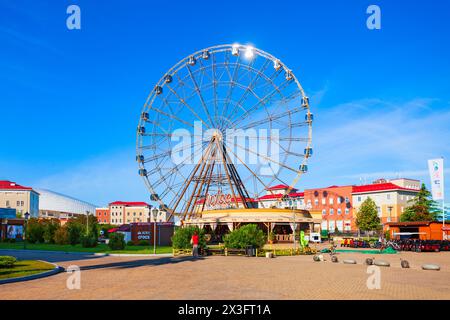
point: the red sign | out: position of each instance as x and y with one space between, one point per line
218 201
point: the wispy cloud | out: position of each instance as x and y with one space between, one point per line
374 138
99 180
366 139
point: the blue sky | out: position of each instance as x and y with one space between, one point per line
70 100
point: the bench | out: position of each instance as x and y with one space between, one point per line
235 251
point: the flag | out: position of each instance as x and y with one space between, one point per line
436 169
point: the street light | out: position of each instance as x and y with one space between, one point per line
27 216
155 214
87 223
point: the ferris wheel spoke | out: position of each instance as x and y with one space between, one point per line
267 158
172 116
248 168
188 106
249 89
262 101
271 118
197 90
231 87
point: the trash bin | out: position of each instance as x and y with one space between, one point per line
250 251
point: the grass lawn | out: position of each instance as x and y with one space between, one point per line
25 268
101 248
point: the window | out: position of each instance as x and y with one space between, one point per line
324 212
347 200
347 210
140 213
379 211
388 196
134 214
21 203
359 199
347 225
316 202
339 211
331 201
324 225
7 203
324 201
331 211
331 225
339 201
18 203
128 213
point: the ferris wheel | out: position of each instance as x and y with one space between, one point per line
220 127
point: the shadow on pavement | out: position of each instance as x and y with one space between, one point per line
142 262
56 256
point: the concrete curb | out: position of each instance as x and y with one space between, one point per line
98 254
56 270
139 255
54 251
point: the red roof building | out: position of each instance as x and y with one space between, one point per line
23 199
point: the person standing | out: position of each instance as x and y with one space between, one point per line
194 242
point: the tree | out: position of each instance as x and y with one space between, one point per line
367 217
74 230
35 231
182 237
50 228
248 235
61 235
422 207
116 241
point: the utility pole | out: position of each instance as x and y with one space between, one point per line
87 223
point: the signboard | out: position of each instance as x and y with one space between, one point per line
143 235
7 213
14 232
218 201
436 169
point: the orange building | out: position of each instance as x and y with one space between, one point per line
103 215
335 204
423 230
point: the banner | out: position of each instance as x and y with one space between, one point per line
436 169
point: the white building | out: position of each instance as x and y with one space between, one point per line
60 206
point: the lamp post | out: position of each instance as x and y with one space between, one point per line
294 225
27 216
87 223
155 214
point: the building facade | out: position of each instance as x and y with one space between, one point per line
103 215
122 212
23 199
335 205
62 207
391 197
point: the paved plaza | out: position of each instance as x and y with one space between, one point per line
236 277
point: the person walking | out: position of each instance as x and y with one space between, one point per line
194 242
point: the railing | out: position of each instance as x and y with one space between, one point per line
284 238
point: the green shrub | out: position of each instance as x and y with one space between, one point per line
61 236
88 241
12 240
7 261
245 236
116 241
74 230
50 228
35 231
143 243
182 238
130 243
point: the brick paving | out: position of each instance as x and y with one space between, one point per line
236 277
